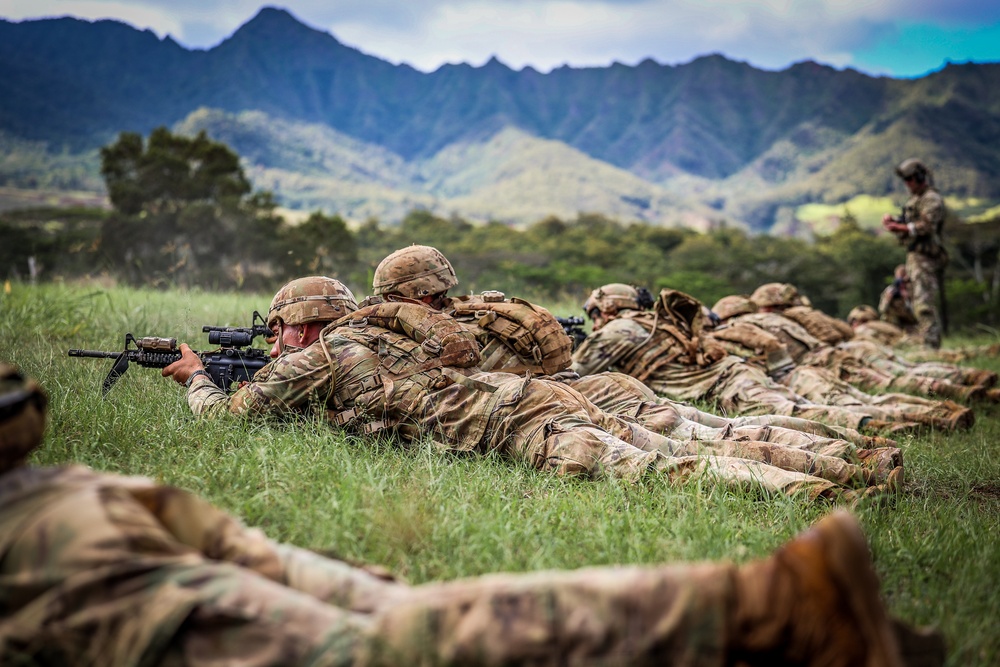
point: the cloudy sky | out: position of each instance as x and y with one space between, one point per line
892 37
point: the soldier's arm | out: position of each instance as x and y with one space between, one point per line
930 216
282 387
603 349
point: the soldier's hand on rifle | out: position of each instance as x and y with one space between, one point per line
182 369
890 222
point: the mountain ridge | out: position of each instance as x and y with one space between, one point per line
748 142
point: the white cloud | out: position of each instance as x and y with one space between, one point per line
549 33
158 19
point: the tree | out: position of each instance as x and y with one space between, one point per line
184 212
170 172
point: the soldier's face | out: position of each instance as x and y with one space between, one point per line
292 337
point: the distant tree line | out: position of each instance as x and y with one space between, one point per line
184 214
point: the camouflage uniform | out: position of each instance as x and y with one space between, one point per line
519 336
924 214
896 309
545 423
860 363
99 569
824 373
670 357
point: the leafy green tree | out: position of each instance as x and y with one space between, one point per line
185 214
170 172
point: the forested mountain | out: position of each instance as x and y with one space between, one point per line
712 139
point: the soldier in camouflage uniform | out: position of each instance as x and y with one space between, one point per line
867 326
667 349
406 367
861 363
874 366
920 230
100 569
515 336
895 305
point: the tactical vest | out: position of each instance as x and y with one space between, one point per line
792 335
754 344
828 329
675 325
930 245
417 350
515 336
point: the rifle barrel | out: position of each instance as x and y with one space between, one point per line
94 354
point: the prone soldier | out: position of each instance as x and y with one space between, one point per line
668 350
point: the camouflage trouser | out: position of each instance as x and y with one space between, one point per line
926 289
863 368
635 616
621 394
818 384
741 388
554 427
608 616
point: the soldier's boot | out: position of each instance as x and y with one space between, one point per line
979 377
961 417
815 602
882 460
876 441
957 391
878 494
891 427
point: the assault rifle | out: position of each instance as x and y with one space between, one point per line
234 362
573 326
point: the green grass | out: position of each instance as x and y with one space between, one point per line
428 515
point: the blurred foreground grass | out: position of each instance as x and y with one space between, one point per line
428 515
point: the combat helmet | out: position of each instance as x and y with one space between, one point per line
311 299
612 297
913 168
414 272
730 306
22 416
862 314
776 295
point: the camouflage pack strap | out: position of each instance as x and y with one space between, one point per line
531 332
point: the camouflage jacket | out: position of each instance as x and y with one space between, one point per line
364 379
925 213
793 336
640 344
91 564
827 329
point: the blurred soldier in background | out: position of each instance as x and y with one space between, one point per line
895 304
920 230
100 569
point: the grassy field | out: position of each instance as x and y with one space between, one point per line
428 515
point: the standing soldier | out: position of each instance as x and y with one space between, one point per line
920 230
